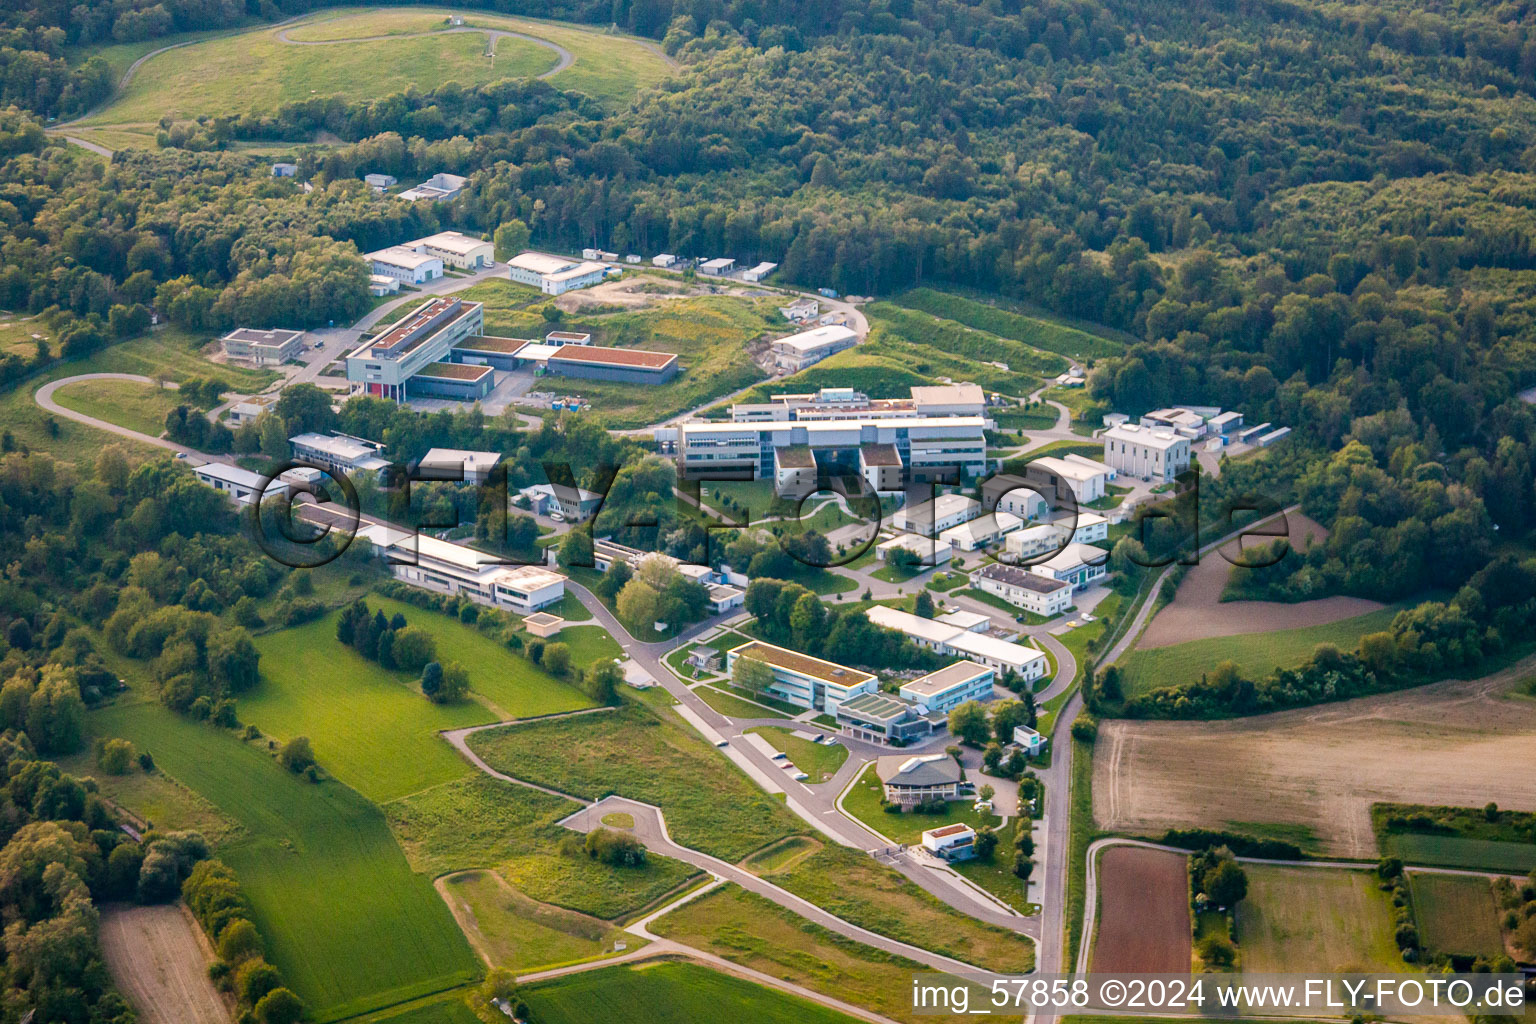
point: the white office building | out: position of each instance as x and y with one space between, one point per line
241 485
972 644
949 687
339 452
798 351
405 264
1146 453
554 275
1080 565
1084 479
1037 594
448 568
456 249
931 518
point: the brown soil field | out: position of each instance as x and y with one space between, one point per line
159 959
1197 611
1312 774
1143 918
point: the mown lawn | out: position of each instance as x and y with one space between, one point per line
818 760
481 822
709 804
668 992
730 705
345 920
863 802
996 875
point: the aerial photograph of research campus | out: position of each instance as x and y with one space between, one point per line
767 511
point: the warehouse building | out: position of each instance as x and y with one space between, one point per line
801 350
406 264
462 382
382 365
623 365
456 250
1146 453
554 275
263 348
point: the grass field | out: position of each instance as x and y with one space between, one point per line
512 683
448 1008
967 353
709 804
818 760
1456 914
1456 852
668 992
171 354
344 918
783 854
480 822
1313 919
863 802
996 875
158 799
735 707
141 407
314 686
746 929
1037 330
511 930
1258 653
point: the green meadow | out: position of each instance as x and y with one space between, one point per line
348 923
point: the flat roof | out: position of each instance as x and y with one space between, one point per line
948 394
880 455
874 707
579 270
1014 576
945 831
817 338
1074 555
635 357
537 352
231 474
542 619
412 321
914 625
257 336
339 447
984 645
568 337
459 456
527 578
946 678
454 371
1136 434
487 343
762 268
1070 470
540 263
400 256
718 264
804 664
794 456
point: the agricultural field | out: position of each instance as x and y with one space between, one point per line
345 920
1456 914
1457 836
141 407
1321 769
1315 919
332 54
1036 329
863 802
480 822
1258 654
668 992
510 930
709 805
1142 923
747 929
1456 852
159 959
1198 610
818 760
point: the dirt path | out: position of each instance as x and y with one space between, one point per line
158 958
1198 613
1318 770
565 57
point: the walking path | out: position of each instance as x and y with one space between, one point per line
44 398
565 57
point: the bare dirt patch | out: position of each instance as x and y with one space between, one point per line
159 959
1143 920
1312 774
637 291
1197 611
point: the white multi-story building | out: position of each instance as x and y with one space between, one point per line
929 448
930 551
449 568
1146 453
798 351
926 402
805 681
1085 479
264 348
554 275
932 517
421 341
971 644
456 250
406 264
339 452
1031 591
949 687
1080 565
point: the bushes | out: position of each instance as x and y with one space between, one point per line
214 896
619 849
1241 845
297 755
114 756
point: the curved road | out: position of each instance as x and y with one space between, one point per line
44 397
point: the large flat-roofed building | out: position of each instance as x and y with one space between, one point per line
717 267
805 681
498 352
383 365
1084 479
263 348
928 448
405 264
449 568
983 648
1037 594
624 365
932 517
1145 452
801 350
450 463
339 452
930 551
241 485
460 381
880 718
982 531
554 275
439 188
950 687
850 404
456 249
